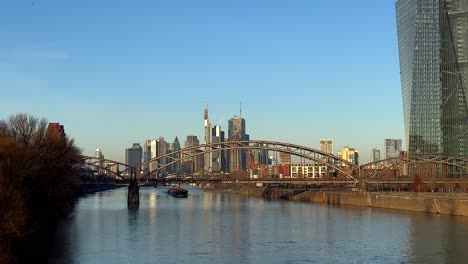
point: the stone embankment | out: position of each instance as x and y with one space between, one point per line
439 203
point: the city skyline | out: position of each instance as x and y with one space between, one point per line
113 81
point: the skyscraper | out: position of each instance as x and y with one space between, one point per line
326 145
392 148
172 147
133 155
218 158
433 46
349 154
375 155
195 162
208 135
237 157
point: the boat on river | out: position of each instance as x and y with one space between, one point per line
177 191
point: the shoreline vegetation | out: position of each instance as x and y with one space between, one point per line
38 186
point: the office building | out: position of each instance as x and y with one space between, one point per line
433 47
208 157
326 145
392 148
218 163
193 163
375 155
237 158
133 155
349 154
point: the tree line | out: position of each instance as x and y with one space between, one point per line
38 181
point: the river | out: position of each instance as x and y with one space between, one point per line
228 228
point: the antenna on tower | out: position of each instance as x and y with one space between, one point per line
240 112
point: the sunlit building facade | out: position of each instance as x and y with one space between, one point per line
433 47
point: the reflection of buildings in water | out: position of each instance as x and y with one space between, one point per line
152 200
445 244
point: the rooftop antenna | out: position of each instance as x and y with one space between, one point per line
240 112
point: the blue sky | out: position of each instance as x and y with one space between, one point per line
118 72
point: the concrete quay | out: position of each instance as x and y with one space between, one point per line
438 203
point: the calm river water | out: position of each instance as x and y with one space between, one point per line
226 228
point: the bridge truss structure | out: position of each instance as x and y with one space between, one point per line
394 170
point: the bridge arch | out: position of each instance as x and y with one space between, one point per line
338 164
95 162
421 165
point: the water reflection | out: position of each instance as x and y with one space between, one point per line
221 228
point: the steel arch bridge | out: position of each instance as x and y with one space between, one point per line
346 168
395 169
335 163
425 166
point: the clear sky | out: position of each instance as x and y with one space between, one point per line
118 72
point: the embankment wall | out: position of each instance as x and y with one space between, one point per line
451 204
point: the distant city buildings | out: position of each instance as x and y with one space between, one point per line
237 157
218 163
307 171
133 155
326 145
192 162
173 148
393 147
349 154
375 155
208 157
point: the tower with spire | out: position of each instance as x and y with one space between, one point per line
208 157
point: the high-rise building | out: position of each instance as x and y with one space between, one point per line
173 147
218 158
375 155
392 148
349 154
208 138
326 145
433 46
146 155
98 155
160 151
133 155
195 162
237 158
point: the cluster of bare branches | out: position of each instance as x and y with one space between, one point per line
38 177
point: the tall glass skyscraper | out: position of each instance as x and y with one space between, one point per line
433 45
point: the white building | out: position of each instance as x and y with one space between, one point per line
307 171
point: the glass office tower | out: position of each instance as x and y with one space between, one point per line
433 46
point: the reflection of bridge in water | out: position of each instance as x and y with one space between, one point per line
432 172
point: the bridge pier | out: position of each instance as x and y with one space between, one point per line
133 197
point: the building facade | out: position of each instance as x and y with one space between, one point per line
237 158
133 155
193 163
208 157
326 145
433 48
349 154
375 155
393 148
218 163
307 171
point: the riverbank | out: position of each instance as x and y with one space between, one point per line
438 203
